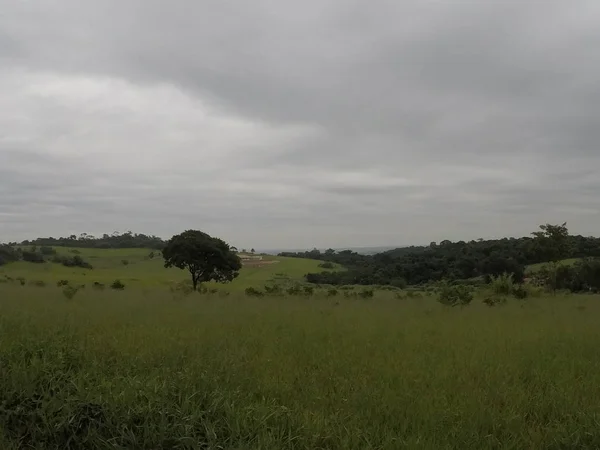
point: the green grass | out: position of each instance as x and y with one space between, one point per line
141 369
142 271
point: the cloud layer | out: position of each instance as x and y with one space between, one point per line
280 124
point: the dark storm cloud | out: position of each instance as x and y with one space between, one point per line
287 124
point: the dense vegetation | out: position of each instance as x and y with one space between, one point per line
453 260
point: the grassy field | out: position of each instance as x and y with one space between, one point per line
142 271
143 369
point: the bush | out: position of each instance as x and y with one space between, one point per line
8 254
273 290
399 283
457 295
37 283
33 257
367 293
69 291
62 283
117 285
294 290
47 251
252 292
308 290
326 265
520 292
151 255
98 286
332 292
503 284
494 300
125 262
75 261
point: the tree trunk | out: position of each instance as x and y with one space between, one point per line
194 282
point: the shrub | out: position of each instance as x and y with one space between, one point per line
399 283
62 283
253 292
47 251
37 283
98 286
273 290
151 255
502 284
75 261
8 254
294 290
117 285
367 293
69 291
520 292
326 265
21 280
457 295
332 292
33 257
308 290
494 300
125 262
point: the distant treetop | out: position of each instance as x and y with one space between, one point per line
114 240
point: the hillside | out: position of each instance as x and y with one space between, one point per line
133 266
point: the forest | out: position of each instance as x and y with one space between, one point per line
452 260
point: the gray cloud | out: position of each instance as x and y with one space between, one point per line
276 124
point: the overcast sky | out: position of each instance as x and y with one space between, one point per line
275 123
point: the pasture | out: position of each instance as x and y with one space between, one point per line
135 268
146 369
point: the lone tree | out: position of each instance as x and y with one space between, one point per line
206 258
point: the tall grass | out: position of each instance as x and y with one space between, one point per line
141 370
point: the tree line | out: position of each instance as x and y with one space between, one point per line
114 240
452 260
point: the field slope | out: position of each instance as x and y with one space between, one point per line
135 267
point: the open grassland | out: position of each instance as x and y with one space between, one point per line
142 271
144 369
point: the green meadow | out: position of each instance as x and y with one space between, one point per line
150 367
135 268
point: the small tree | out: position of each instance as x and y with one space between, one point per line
552 242
205 257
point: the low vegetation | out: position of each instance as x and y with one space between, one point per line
146 370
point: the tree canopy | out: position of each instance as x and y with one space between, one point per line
206 258
114 240
453 260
